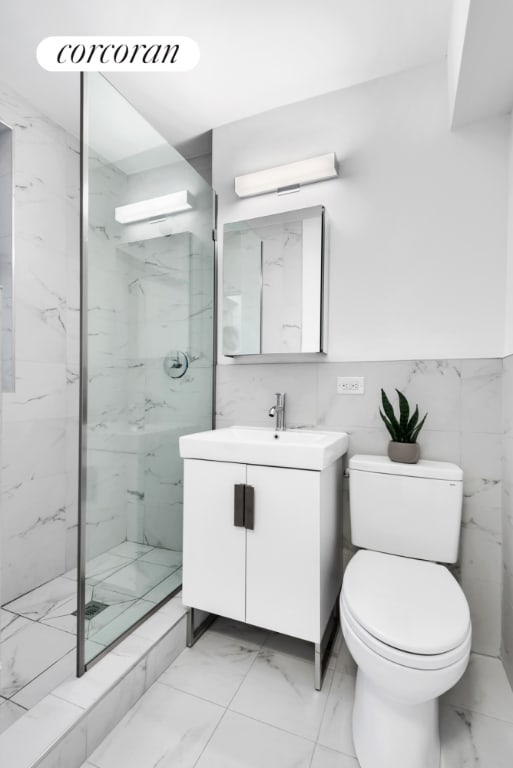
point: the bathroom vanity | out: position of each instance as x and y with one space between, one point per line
263 528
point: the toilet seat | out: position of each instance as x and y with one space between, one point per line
404 658
412 612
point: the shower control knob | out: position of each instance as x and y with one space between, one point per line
175 364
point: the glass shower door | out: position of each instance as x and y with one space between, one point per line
147 361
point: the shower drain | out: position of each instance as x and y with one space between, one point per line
92 609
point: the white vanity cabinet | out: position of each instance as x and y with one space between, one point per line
285 572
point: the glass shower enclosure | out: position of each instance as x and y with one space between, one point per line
147 361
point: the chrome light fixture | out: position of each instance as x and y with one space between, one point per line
287 178
154 206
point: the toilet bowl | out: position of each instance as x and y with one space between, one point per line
406 623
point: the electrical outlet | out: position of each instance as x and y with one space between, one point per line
350 385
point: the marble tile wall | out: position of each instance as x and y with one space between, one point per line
148 297
507 521
463 400
107 361
170 305
39 432
72 322
6 261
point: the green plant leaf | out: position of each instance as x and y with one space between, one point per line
387 407
404 412
392 431
416 431
413 421
405 429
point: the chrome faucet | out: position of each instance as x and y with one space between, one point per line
278 410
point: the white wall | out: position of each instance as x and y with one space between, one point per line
417 219
508 341
507 448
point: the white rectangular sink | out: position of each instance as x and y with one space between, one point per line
297 449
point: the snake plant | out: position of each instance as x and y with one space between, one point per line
406 428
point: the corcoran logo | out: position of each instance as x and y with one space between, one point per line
118 54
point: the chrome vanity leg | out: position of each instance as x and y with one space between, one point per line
190 625
323 649
318 672
194 633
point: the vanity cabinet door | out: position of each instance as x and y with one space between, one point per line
282 552
214 551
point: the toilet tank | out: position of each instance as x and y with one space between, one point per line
412 510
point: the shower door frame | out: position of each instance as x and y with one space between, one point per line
82 665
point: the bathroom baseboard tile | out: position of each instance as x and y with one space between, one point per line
41 732
73 745
9 713
64 728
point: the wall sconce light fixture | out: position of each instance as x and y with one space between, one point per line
287 178
155 206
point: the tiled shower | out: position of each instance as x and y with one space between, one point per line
40 418
146 297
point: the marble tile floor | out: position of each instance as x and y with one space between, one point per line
244 698
38 630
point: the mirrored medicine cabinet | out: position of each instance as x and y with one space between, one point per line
7 254
273 274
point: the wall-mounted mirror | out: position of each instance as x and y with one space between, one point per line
273 284
6 254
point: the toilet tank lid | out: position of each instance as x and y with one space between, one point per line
437 470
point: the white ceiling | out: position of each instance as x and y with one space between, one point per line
254 55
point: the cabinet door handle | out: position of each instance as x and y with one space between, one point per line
238 505
249 507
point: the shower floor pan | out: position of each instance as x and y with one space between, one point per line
38 638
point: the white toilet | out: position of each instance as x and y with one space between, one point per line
405 619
